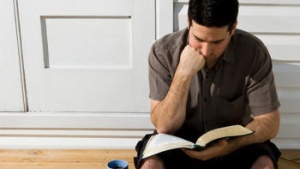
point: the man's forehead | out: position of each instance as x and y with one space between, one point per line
209 33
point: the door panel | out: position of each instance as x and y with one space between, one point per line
87 55
11 98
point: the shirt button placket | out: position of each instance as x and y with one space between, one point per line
206 97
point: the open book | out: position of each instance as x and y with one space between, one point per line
162 142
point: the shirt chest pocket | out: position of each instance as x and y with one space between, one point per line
228 112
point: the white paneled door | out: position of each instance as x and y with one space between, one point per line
87 55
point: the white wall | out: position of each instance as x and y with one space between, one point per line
44 102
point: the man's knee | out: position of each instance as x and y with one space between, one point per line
263 162
153 162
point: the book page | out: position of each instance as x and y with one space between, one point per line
162 142
224 132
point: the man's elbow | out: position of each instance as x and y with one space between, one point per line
276 124
165 129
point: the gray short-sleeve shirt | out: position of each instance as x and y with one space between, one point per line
239 86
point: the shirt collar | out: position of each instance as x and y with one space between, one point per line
229 54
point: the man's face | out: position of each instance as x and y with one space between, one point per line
211 42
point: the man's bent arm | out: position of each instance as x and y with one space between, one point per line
265 126
169 114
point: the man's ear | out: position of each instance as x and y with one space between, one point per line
234 28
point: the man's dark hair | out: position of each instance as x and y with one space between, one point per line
213 13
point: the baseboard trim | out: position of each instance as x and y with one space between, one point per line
72 130
97 130
75 120
66 143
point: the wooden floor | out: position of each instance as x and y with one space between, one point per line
93 159
290 159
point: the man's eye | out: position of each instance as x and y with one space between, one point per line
199 40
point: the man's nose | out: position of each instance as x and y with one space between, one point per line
206 49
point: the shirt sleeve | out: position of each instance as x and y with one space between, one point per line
261 90
159 74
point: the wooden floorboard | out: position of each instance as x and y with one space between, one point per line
94 159
286 164
289 159
62 159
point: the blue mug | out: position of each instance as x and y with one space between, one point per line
117 164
